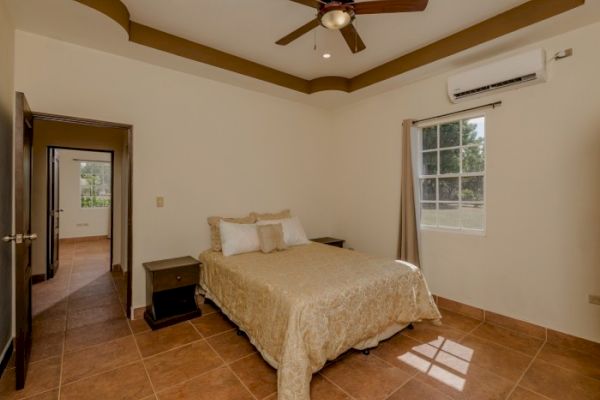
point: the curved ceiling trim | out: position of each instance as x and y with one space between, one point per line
519 17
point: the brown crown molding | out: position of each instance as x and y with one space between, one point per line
526 14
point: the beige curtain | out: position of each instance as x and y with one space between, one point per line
408 242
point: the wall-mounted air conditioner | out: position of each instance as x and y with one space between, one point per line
509 73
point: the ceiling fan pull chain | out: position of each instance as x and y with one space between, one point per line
315 36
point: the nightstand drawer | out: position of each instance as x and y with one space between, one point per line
175 278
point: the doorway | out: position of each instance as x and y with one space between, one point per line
80 187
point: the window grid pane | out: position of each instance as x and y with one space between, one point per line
95 184
452 174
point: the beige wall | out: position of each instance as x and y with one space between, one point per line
207 147
7 99
76 221
539 258
50 133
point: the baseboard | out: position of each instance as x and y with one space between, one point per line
6 355
541 332
83 239
138 313
37 278
117 268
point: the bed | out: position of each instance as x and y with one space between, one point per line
308 304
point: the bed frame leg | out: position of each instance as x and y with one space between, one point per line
239 332
366 352
410 326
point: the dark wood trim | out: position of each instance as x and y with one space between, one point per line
512 20
38 278
129 154
6 357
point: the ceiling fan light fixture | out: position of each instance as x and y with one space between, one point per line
336 16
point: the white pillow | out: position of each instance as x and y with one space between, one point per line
238 238
293 233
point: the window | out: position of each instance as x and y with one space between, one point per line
452 175
94 184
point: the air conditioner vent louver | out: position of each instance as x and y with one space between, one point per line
486 88
520 70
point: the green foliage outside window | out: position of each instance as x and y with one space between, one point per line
95 184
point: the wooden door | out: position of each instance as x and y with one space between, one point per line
23 236
53 212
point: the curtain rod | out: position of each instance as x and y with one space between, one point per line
493 105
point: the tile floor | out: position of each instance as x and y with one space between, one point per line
84 348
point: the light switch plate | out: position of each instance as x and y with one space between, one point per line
594 299
160 202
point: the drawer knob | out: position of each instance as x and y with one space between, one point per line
178 277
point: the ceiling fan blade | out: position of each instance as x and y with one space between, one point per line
353 39
310 3
389 6
298 32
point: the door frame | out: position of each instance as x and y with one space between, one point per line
112 196
129 204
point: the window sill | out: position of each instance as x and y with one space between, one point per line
468 232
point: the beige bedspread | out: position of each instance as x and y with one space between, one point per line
309 304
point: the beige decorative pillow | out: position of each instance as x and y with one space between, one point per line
268 216
271 237
215 233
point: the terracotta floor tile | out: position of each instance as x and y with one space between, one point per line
467 382
524 394
90 316
416 390
49 395
575 360
181 364
212 324
583 345
231 346
91 335
91 301
503 361
42 376
506 337
139 325
54 310
100 358
48 326
322 389
257 375
129 382
406 353
427 332
559 383
365 377
459 321
164 339
516 325
89 290
44 346
219 384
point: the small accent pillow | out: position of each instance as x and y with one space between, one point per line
271 237
238 238
270 216
215 234
293 233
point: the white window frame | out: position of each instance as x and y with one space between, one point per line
459 175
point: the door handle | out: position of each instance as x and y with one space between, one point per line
9 238
18 238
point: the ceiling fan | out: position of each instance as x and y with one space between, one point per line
339 15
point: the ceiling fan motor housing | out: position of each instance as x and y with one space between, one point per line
336 15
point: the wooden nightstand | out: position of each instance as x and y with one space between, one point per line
172 285
330 241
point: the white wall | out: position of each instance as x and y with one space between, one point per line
7 100
539 258
76 221
207 147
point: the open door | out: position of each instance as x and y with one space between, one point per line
53 211
23 236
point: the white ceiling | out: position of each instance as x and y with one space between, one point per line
72 22
249 28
